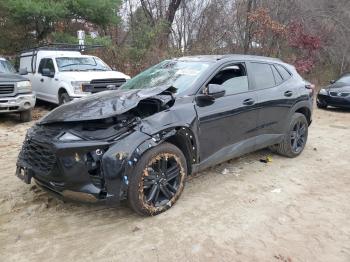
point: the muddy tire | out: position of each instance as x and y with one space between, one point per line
26 116
64 98
158 180
295 140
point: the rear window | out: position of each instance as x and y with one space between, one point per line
284 73
263 75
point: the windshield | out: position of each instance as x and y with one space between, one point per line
6 67
345 79
81 64
179 74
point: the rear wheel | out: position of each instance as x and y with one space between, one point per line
64 98
26 116
295 140
158 180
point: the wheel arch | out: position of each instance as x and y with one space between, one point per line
306 112
184 139
62 90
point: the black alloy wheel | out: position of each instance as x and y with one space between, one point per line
161 180
295 138
158 180
298 136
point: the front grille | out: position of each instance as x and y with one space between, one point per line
336 94
38 155
7 89
108 81
36 150
98 85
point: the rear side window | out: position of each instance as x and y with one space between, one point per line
278 77
284 73
263 75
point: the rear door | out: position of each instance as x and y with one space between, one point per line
276 94
229 120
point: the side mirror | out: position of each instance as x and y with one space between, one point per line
23 71
47 72
215 91
332 82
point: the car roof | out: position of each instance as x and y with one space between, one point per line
214 58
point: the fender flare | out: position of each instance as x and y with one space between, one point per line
120 159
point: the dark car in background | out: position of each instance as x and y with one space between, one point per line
337 94
175 119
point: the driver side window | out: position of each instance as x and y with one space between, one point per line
232 78
46 63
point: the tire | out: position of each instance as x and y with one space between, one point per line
321 105
26 116
152 191
295 139
64 98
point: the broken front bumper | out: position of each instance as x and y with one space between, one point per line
88 171
17 104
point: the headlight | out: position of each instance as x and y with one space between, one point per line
323 92
69 137
78 87
24 87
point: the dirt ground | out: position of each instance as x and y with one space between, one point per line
242 210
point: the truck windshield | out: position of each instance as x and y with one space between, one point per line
6 67
179 74
81 64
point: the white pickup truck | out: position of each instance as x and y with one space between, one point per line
59 76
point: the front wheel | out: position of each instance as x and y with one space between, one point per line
158 180
26 116
295 139
64 98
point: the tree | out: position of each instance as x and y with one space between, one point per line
40 18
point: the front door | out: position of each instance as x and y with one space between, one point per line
228 123
46 86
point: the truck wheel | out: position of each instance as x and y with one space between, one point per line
64 98
295 140
158 180
26 116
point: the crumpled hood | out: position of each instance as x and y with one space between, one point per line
101 105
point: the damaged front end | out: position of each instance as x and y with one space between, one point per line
85 150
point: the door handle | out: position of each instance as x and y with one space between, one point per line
42 80
249 102
288 93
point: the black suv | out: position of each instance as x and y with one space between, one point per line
172 120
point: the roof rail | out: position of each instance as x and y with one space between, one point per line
62 46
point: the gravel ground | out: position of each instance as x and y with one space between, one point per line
242 210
